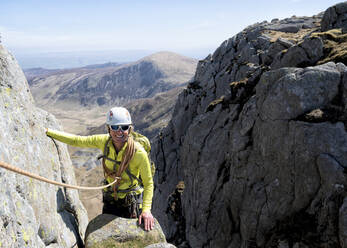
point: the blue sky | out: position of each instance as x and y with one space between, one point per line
37 26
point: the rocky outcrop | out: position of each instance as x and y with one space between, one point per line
259 139
33 213
335 17
110 231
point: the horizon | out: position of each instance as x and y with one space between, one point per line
63 34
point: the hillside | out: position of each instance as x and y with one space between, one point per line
94 87
80 97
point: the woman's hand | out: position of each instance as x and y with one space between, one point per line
148 220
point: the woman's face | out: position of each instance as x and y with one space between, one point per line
119 136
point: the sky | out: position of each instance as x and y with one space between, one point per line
189 27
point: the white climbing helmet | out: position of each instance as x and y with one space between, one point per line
118 116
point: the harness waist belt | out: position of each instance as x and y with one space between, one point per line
129 189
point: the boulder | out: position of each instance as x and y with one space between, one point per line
306 53
108 230
335 17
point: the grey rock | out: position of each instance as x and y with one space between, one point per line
343 223
297 93
108 230
161 245
263 41
33 213
290 28
272 51
293 24
304 54
257 172
284 42
313 48
335 17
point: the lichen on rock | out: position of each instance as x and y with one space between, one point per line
30 208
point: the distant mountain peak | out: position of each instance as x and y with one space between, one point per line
109 84
166 55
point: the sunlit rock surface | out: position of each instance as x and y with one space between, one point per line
33 213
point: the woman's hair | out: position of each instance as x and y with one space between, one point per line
129 152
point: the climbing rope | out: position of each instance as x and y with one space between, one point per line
43 179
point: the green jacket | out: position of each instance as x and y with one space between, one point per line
138 166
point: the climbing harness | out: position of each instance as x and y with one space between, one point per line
132 201
43 179
130 151
109 172
144 142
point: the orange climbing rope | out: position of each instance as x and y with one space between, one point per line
43 179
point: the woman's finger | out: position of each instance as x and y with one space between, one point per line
140 218
146 224
152 224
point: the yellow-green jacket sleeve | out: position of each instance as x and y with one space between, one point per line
92 141
147 179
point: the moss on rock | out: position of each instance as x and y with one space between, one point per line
335 46
111 231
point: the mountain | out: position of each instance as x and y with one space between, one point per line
40 72
106 87
80 97
255 152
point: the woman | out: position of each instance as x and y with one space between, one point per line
123 158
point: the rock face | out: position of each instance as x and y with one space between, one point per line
335 17
110 231
259 139
33 213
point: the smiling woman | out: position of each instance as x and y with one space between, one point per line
130 197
